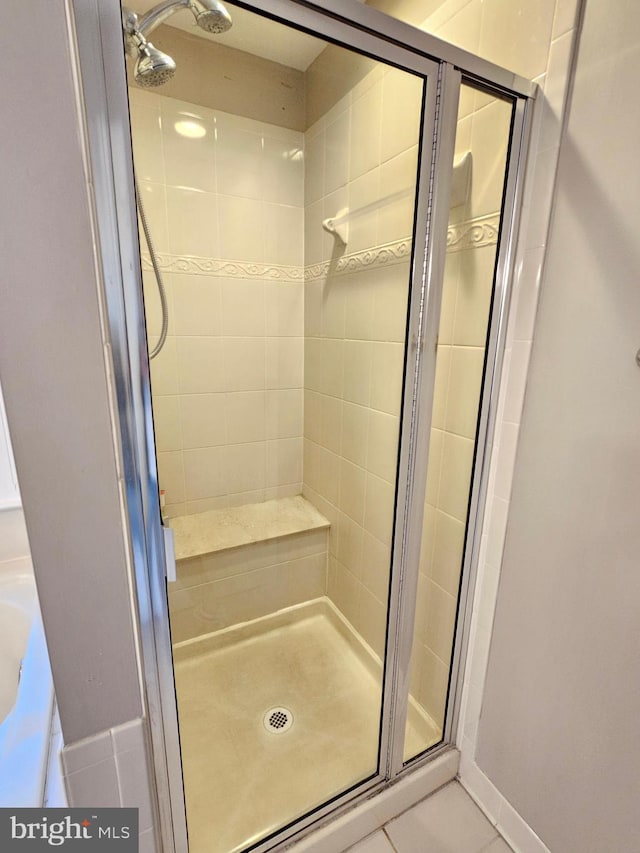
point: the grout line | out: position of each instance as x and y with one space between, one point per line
387 836
433 793
489 843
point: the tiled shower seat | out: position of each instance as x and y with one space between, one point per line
241 563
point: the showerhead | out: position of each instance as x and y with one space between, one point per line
211 15
153 67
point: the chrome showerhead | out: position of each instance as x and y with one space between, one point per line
153 67
211 15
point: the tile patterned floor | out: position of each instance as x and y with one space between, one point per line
447 822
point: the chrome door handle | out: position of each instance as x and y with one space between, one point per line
169 554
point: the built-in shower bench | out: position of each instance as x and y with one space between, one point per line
245 562
221 529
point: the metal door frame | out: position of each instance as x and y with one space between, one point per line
101 69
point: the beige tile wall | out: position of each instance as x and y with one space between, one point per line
227 387
359 155
513 33
520 36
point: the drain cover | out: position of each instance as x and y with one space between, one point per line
278 720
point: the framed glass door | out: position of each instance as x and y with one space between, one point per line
290 235
275 342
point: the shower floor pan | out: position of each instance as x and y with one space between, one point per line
309 673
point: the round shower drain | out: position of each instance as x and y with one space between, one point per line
278 720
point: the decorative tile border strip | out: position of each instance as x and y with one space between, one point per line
223 269
378 256
471 234
474 233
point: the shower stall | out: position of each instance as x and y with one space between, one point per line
330 197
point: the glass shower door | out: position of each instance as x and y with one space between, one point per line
284 228
290 199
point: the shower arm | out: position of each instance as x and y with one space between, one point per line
153 18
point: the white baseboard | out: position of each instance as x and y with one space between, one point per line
511 825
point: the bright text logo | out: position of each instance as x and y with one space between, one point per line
33 830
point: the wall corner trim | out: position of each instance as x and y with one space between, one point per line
511 825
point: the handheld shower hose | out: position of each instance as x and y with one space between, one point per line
156 269
153 68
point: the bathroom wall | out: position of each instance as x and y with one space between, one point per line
59 409
358 155
564 656
226 215
56 391
549 62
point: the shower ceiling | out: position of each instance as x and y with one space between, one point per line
258 36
